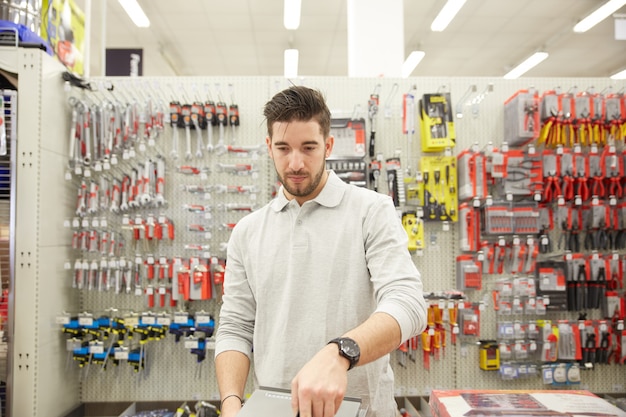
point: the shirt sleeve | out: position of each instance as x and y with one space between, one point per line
237 315
397 282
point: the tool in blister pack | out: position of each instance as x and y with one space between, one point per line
395 182
242 150
210 113
237 169
236 189
408 125
375 167
437 123
159 184
222 122
197 119
414 227
192 170
175 121
236 207
521 118
372 112
233 121
186 122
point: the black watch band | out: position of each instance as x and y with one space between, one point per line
349 349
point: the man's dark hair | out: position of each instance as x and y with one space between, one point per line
298 103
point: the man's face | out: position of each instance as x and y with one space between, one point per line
299 151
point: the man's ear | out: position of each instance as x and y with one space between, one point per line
268 142
328 144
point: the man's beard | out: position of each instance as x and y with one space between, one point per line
295 191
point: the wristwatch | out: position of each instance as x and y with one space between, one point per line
349 349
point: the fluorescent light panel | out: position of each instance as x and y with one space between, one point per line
525 66
621 75
445 16
291 63
291 16
135 12
411 62
599 15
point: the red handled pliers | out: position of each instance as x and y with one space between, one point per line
597 186
568 187
582 188
552 188
615 186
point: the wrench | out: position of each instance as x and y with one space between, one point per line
233 120
145 198
133 190
93 198
125 187
222 121
186 121
175 111
72 147
160 182
87 138
80 203
200 144
115 196
211 119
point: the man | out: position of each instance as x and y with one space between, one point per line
323 260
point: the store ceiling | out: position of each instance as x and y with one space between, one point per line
247 37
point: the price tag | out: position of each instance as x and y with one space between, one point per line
164 320
191 344
63 320
210 344
85 321
96 348
120 354
203 319
131 321
148 319
181 318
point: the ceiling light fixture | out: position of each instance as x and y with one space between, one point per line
445 16
411 62
525 66
135 12
291 17
599 15
621 75
291 63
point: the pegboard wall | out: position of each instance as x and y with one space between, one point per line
207 191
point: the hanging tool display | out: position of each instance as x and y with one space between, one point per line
372 114
436 122
408 128
123 234
233 115
521 118
395 181
439 189
414 227
222 122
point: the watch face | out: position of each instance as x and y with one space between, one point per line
350 347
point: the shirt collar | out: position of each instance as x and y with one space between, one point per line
330 196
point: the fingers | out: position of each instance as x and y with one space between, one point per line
319 403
